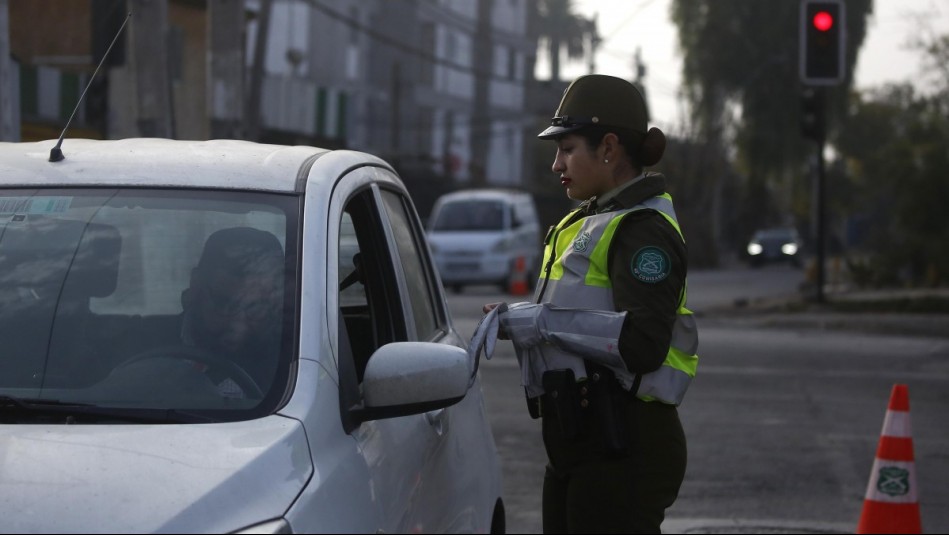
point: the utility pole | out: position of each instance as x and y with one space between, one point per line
226 73
153 84
395 134
639 67
594 36
257 71
9 90
482 120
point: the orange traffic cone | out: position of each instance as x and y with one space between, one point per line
518 282
891 504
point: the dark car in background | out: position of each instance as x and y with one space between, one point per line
779 244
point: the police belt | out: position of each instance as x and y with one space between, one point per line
577 409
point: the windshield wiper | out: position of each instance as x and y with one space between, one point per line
7 402
37 406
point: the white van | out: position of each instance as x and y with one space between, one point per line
485 236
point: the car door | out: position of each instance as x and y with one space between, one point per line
387 292
458 485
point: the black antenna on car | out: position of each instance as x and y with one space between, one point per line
56 153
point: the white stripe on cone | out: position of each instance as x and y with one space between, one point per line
897 424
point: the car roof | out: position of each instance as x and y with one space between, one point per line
483 194
776 232
230 164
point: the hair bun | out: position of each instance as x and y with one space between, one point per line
652 148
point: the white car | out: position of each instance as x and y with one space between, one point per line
225 336
486 236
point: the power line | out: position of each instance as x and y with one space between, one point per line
425 55
521 120
473 123
627 20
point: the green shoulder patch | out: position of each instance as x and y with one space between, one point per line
650 264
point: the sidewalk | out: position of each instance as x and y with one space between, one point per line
910 312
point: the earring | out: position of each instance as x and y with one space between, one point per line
606 161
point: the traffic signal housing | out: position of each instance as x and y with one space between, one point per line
812 113
823 34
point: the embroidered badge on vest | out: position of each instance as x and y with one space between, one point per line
580 244
650 264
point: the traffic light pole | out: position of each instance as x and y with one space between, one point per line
823 43
821 194
9 92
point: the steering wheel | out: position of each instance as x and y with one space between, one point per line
183 352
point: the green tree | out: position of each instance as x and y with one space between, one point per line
894 145
563 30
740 59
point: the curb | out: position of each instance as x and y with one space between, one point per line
794 312
747 525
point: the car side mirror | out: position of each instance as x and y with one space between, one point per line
405 378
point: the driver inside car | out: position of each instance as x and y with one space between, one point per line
232 308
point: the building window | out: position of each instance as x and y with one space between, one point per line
512 63
176 52
426 121
451 45
29 91
353 29
427 76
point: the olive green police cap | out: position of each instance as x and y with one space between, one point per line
598 99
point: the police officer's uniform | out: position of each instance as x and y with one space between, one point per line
616 267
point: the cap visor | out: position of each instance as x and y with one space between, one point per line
554 131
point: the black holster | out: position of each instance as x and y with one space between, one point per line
594 409
533 405
609 411
560 404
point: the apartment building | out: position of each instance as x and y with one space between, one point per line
437 86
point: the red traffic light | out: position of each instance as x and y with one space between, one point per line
823 21
823 41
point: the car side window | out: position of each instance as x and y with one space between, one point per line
415 270
352 288
525 212
511 215
369 303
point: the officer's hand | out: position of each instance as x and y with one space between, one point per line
489 307
502 334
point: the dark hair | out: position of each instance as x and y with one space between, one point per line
643 150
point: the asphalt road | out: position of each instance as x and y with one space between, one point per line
782 422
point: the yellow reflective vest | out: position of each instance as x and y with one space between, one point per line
579 278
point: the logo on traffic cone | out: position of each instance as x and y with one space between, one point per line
891 504
518 281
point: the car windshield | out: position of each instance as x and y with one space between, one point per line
778 234
147 299
473 215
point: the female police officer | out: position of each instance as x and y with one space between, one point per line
608 348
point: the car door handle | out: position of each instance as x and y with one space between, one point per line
438 419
